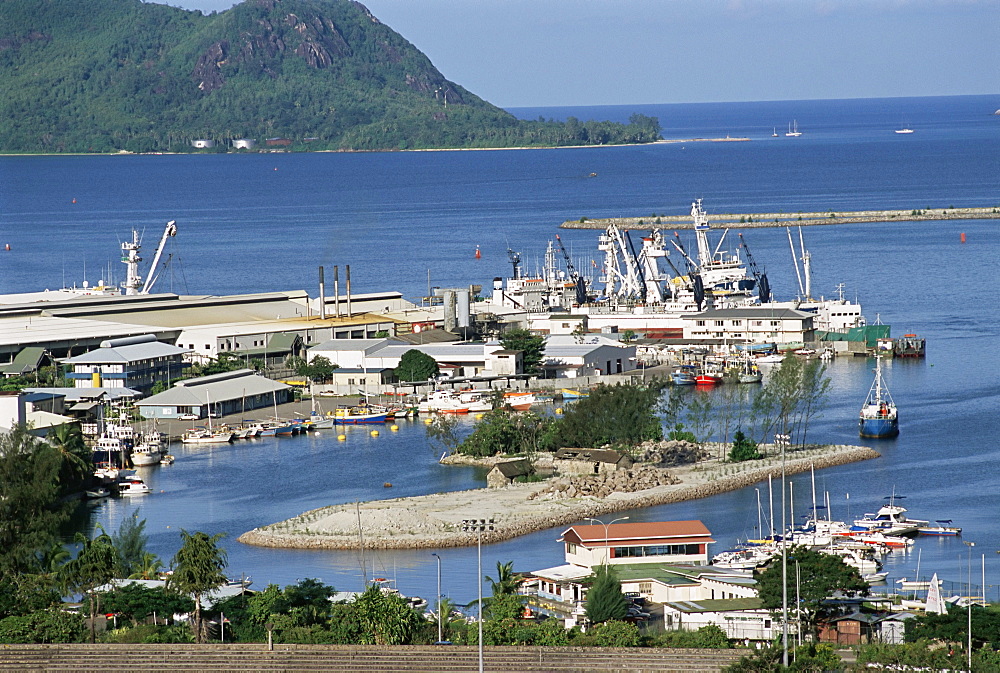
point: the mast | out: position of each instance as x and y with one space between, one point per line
131 259
168 231
795 263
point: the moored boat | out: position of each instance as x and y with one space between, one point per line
519 401
683 376
207 436
909 346
941 527
361 414
879 417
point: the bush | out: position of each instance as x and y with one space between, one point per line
616 634
743 448
43 626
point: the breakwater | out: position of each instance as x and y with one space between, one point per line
435 521
761 220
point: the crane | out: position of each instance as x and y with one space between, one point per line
169 230
581 289
763 286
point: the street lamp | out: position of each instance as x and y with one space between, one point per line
440 630
478 526
782 441
607 549
968 604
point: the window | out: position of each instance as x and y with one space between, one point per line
646 588
775 323
719 323
737 323
570 548
699 323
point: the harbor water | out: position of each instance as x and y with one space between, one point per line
404 221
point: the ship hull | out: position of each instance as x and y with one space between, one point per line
878 428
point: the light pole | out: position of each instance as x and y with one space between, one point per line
478 526
607 549
782 441
968 605
440 630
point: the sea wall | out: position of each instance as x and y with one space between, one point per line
761 220
434 521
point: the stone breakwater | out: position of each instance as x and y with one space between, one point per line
435 521
761 220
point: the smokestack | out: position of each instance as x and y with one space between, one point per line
336 289
322 295
347 280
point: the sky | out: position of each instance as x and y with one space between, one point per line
526 53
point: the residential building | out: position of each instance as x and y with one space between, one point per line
753 324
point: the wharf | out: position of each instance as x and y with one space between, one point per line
763 220
434 521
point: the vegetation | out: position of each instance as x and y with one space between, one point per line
605 600
743 448
791 398
112 75
319 369
416 366
620 415
502 431
532 348
199 567
820 576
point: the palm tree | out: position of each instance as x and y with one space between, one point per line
148 569
76 463
507 580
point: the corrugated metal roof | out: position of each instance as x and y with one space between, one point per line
650 530
214 388
717 605
125 354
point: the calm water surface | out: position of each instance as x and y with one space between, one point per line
264 222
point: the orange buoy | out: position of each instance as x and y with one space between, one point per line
963 237
74 200
479 254
7 247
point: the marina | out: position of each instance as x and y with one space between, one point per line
942 459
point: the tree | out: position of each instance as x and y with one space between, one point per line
605 600
386 619
791 397
505 431
507 580
532 348
743 448
136 602
820 576
30 507
77 465
97 563
416 366
199 567
616 633
130 540
622 415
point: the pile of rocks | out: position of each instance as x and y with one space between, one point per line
603 485
670 453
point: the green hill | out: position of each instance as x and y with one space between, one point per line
110 75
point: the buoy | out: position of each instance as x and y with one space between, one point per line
341 438
394 427
74 200
479 417
558 410
374 433
963 238
387 484
317 433
7 246
428 421
478 254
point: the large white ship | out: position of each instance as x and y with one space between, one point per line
635 292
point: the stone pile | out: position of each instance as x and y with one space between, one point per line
603 485
670 453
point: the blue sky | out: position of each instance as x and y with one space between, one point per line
617 52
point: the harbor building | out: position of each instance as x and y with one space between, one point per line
238 391
137 363
751 324
654 542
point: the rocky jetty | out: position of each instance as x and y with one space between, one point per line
435 521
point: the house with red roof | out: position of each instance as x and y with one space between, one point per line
672 542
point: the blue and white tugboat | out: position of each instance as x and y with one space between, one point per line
879 417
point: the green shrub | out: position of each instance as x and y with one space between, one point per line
43 626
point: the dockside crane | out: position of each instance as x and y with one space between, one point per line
580 286
760 275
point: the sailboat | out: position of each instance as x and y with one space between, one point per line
793 129
879 417
903 128
208 435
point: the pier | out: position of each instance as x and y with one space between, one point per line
761 220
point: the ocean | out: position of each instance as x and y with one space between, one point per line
407 221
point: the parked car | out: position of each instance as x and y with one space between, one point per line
188 417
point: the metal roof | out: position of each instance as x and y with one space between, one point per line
124 354
215 388
717 605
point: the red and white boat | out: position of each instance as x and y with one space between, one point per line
519 401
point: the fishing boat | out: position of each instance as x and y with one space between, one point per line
568 394
709 375
941 527
519 401
909 346
361 414
442 402
146 454
749 371
683 376
879 417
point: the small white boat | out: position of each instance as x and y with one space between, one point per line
793 130
132 485
203 436
167 459
905 129
773 359
146 454
97 493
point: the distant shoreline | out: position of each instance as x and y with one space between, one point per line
762 220
434 521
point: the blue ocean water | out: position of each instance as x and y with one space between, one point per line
265 222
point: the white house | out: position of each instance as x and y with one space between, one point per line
570 356
753 324
629 543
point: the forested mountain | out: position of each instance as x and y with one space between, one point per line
110 75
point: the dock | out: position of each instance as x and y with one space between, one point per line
762 220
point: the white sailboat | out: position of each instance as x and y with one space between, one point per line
793 129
